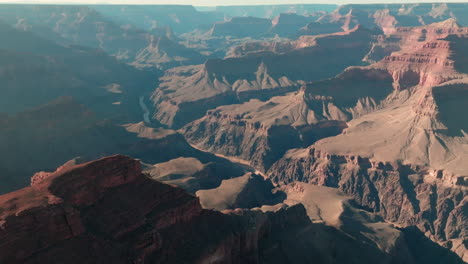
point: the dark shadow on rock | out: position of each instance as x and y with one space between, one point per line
425 251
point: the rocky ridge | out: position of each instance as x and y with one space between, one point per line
49 222
186 93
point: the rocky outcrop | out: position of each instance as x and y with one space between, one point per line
165 53
317 28
105 210
48 219
93 212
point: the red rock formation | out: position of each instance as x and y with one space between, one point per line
105 210
108 211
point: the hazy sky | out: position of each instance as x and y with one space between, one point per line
220 2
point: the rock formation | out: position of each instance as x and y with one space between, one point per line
402 194
269 69
260 132
307 136
401 139
410 149
93 212
421 77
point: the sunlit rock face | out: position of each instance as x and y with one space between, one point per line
127 217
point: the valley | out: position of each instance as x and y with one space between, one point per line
298 133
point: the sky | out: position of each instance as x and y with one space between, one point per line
219 2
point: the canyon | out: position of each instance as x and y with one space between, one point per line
362 137
89 209
234 134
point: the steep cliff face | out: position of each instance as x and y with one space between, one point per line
405 160
403 194
416 122
260 132
185 94
93 213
